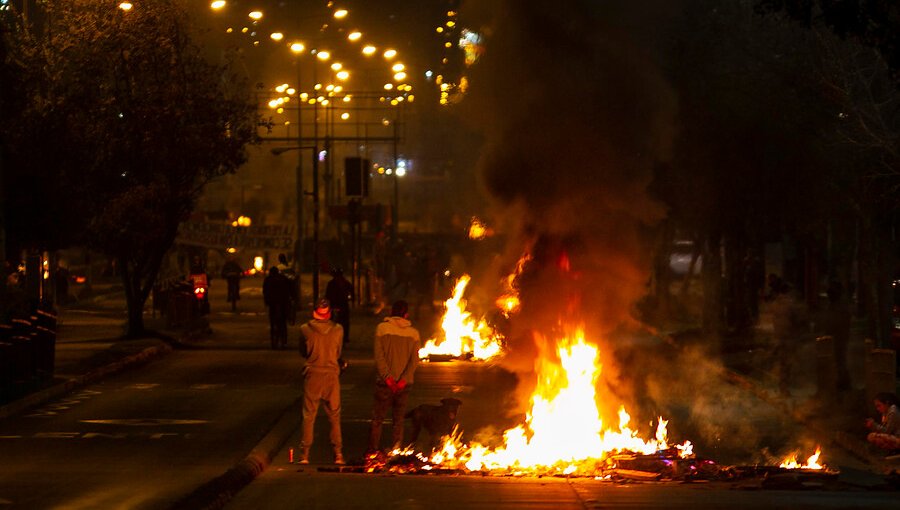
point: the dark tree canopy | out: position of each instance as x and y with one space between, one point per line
875 23
124 122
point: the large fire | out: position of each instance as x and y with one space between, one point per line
563 433
462 335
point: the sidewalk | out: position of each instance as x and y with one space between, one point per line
89 346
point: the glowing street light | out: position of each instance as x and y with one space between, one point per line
389 54
255 15
354 36
277 36
398 67
369 50
126 6
345 116
400 76
323 55
340 13
343 75
297 47
218 4
337 66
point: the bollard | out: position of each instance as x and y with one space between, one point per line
826 379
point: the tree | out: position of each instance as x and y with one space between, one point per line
140 121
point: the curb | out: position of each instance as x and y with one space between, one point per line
219 491
42 396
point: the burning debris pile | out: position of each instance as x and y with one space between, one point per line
564 435
462 336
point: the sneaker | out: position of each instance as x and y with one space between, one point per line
339 459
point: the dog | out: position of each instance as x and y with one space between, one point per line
438 421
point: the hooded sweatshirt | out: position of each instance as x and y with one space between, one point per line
396 349
324 342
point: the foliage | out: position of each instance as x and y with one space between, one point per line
125 122
875 23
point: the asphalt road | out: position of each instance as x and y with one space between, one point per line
287 486
150 436
144 438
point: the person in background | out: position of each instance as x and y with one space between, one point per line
277 296
231 272
321 343
339 292
885 435
288 271
396 359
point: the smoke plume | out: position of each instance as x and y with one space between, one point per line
576 116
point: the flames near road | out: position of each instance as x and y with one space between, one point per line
462 335
564 435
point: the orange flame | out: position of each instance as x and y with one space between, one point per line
478 230
790 462
563 432
509 302
462 335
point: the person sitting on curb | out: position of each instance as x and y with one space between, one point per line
885 435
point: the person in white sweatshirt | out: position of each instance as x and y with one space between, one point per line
396 358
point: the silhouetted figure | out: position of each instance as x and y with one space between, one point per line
277 296
62 285
339 292
232 272
289 272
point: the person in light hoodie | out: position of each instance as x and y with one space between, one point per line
321 343
396 358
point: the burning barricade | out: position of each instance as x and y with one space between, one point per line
564 435
462 336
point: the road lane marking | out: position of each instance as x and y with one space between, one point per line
145 422
142 386
54 408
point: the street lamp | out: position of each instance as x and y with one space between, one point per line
298 247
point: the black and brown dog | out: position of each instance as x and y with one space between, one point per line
438 421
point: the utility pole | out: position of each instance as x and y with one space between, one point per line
298 244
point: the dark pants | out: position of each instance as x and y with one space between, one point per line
342 317
278 324
234 291
385 399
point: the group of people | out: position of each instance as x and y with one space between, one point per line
396 358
